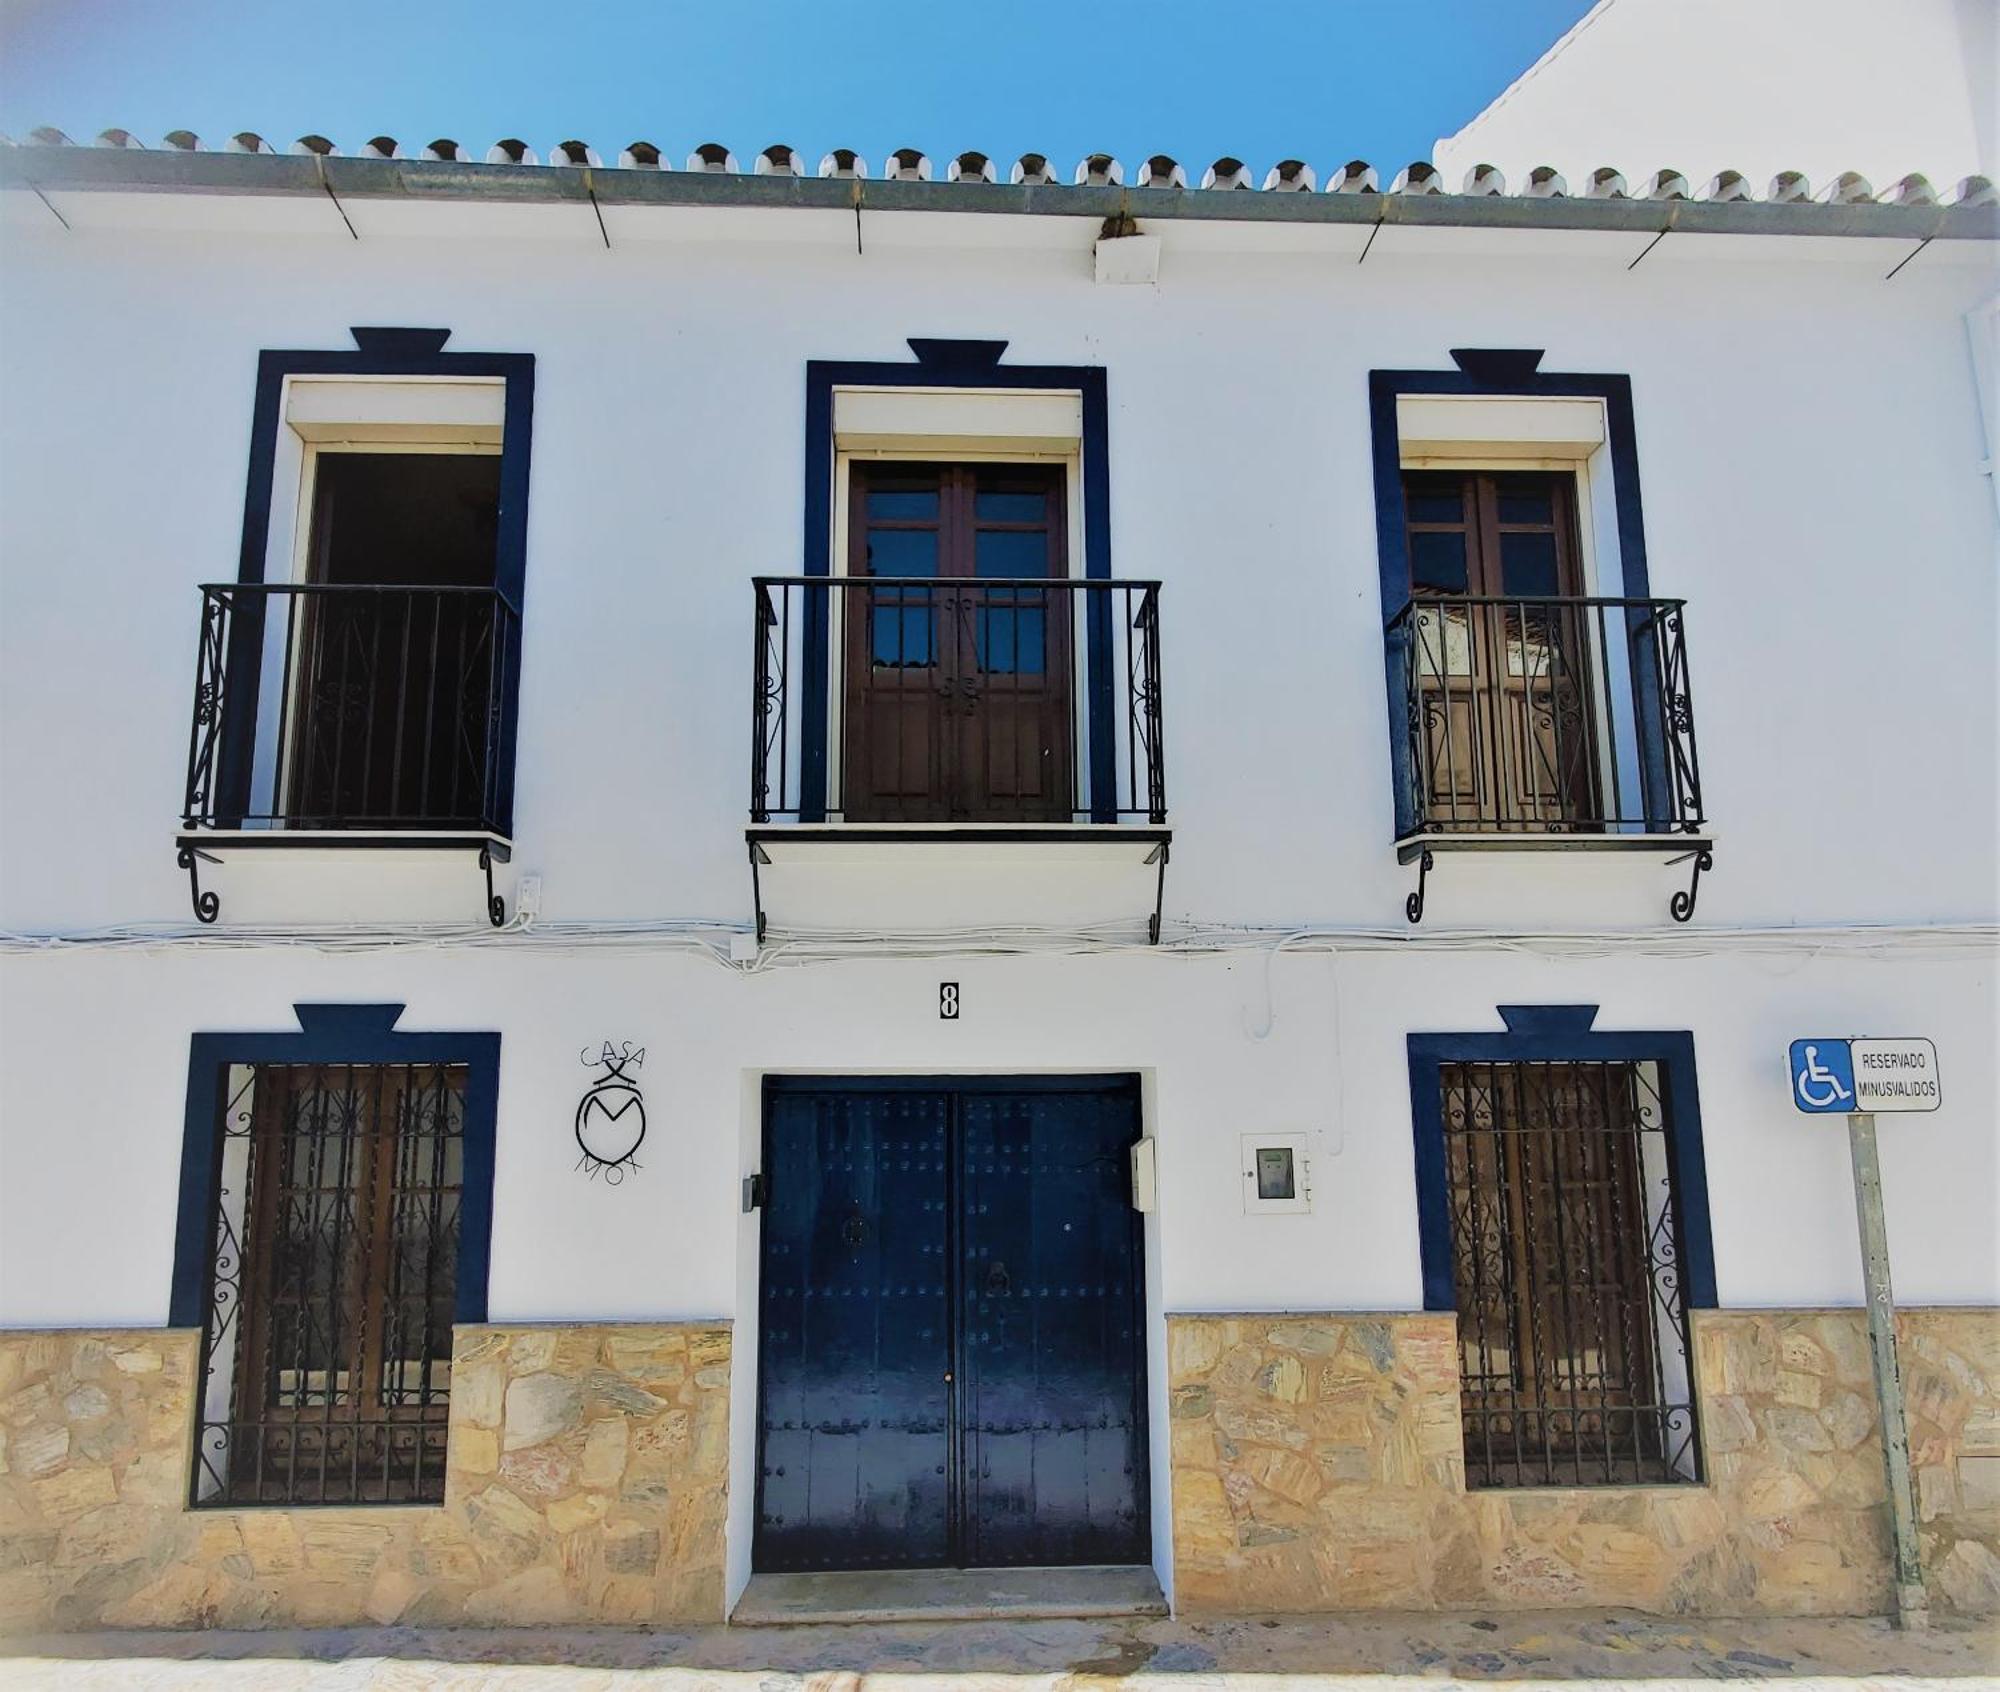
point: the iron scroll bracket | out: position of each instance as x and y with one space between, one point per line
1158 855
496 906
1413 906
207 905
1681 906
758 858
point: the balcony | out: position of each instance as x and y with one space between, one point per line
1529 724
992 712
350 718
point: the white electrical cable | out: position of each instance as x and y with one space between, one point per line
794 948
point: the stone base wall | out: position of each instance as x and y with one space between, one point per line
587 1476
1318 1465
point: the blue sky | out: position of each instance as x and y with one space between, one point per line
1326 80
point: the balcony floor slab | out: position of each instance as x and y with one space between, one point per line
1410 847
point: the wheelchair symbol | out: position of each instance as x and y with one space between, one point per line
1817 1086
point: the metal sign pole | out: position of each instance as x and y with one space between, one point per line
1912 1608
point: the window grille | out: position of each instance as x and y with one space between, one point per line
1571 1317
326 1346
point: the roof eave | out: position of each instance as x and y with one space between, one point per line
86 170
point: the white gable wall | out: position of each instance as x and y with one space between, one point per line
1757 86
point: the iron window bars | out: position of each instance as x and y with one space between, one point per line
1545 721
1573 1326
332 1282
1003 633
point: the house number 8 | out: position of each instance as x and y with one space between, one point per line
948 1000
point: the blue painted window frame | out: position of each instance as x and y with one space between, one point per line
1511 373
1561 1034
384 355
358 1034
960 364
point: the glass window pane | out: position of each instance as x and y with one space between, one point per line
900 637
1031 643
997 507
1011 552
1437 561
1013 641
1525 498
903 552
909 505
1434 498
996 641
1528 564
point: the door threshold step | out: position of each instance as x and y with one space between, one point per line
924 1595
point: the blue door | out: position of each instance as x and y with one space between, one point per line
951 1340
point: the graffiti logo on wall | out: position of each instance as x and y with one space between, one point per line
611 1115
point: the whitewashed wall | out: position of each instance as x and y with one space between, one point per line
97 1065
1808 438
96 1080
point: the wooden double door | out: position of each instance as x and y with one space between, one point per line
951 1350
1509 652
958 686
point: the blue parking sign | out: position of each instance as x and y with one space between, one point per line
1823 1077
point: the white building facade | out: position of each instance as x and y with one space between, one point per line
1195 824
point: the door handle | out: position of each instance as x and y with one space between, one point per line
998 1285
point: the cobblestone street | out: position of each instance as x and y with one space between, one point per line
1381 1652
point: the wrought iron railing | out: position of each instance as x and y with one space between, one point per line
892 699
336 707
1543 716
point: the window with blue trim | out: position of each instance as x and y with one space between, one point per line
1559 1175
1528 706
394 655
335 1204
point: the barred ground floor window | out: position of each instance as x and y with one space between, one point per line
336 1198
1565 1222
1572 1333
